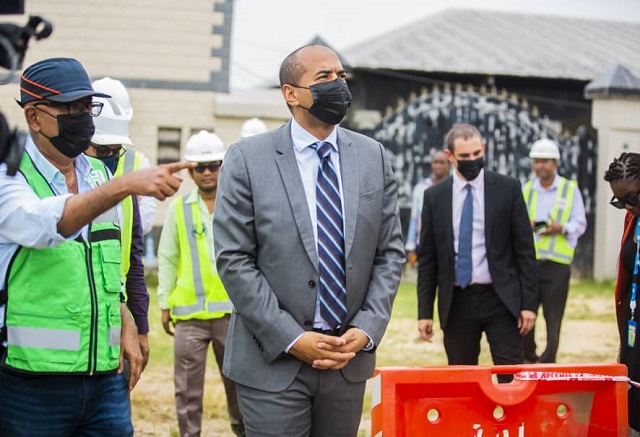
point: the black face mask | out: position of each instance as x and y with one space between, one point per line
331 100
111 162
470 169
74 134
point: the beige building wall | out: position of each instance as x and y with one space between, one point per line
140 39
172 56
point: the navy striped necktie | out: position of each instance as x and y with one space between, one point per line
332 291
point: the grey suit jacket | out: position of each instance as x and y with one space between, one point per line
509 244
267 258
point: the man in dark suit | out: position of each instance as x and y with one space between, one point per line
309 248
477 250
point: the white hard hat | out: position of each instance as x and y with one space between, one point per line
253 126
204 147
117 91
112 125
544 149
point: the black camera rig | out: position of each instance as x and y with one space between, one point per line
14 42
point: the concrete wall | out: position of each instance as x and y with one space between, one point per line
618 124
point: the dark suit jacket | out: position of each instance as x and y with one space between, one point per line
267 257
510 251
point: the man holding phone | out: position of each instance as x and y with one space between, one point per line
557 215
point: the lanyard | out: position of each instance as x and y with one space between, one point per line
634 279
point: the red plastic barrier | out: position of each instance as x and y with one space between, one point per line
464 401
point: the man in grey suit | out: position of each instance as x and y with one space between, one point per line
309 247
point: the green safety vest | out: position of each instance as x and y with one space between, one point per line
199 294
63 307
130 161
553 247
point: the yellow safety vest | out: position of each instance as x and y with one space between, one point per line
199 294
130 161
553 247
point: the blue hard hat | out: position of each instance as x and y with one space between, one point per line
60 80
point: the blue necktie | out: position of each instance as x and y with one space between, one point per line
463 263
332 290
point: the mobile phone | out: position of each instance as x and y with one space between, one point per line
537 226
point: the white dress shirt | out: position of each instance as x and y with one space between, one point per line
480 273
546 199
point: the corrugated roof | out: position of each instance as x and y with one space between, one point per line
501 43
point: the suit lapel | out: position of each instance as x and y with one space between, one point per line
288 168
489 207
350 187
447 212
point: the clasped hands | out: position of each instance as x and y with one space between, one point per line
327 352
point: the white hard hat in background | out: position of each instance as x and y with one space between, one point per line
112 125
204 147
253 126
117 91
544 149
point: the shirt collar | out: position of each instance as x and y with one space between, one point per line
50 171
301 138
459 184
193 196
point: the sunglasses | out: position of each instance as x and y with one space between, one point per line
200 168
630 199
106 152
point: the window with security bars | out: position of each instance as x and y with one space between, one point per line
168 144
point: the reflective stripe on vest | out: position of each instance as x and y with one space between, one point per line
130 161
194 257
43 338
553 247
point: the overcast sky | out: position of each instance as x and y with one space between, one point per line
265 31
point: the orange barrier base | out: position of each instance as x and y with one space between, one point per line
464 401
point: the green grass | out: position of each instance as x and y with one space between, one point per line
588 335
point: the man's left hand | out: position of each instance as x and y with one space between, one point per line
526 321
130 347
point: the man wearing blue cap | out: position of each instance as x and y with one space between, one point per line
64 329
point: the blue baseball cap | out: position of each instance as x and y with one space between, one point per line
61 80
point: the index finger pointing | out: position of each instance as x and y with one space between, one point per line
177 166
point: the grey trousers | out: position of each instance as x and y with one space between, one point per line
319 403
191 343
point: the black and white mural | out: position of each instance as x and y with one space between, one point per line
416 130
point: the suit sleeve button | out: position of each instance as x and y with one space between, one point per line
311 283
308 323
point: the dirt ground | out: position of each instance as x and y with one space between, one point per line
588 335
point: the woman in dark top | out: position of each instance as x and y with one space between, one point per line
623 176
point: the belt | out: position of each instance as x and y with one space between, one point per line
331 332
474 287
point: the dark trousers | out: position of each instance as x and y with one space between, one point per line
474 310
64 406
553 289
